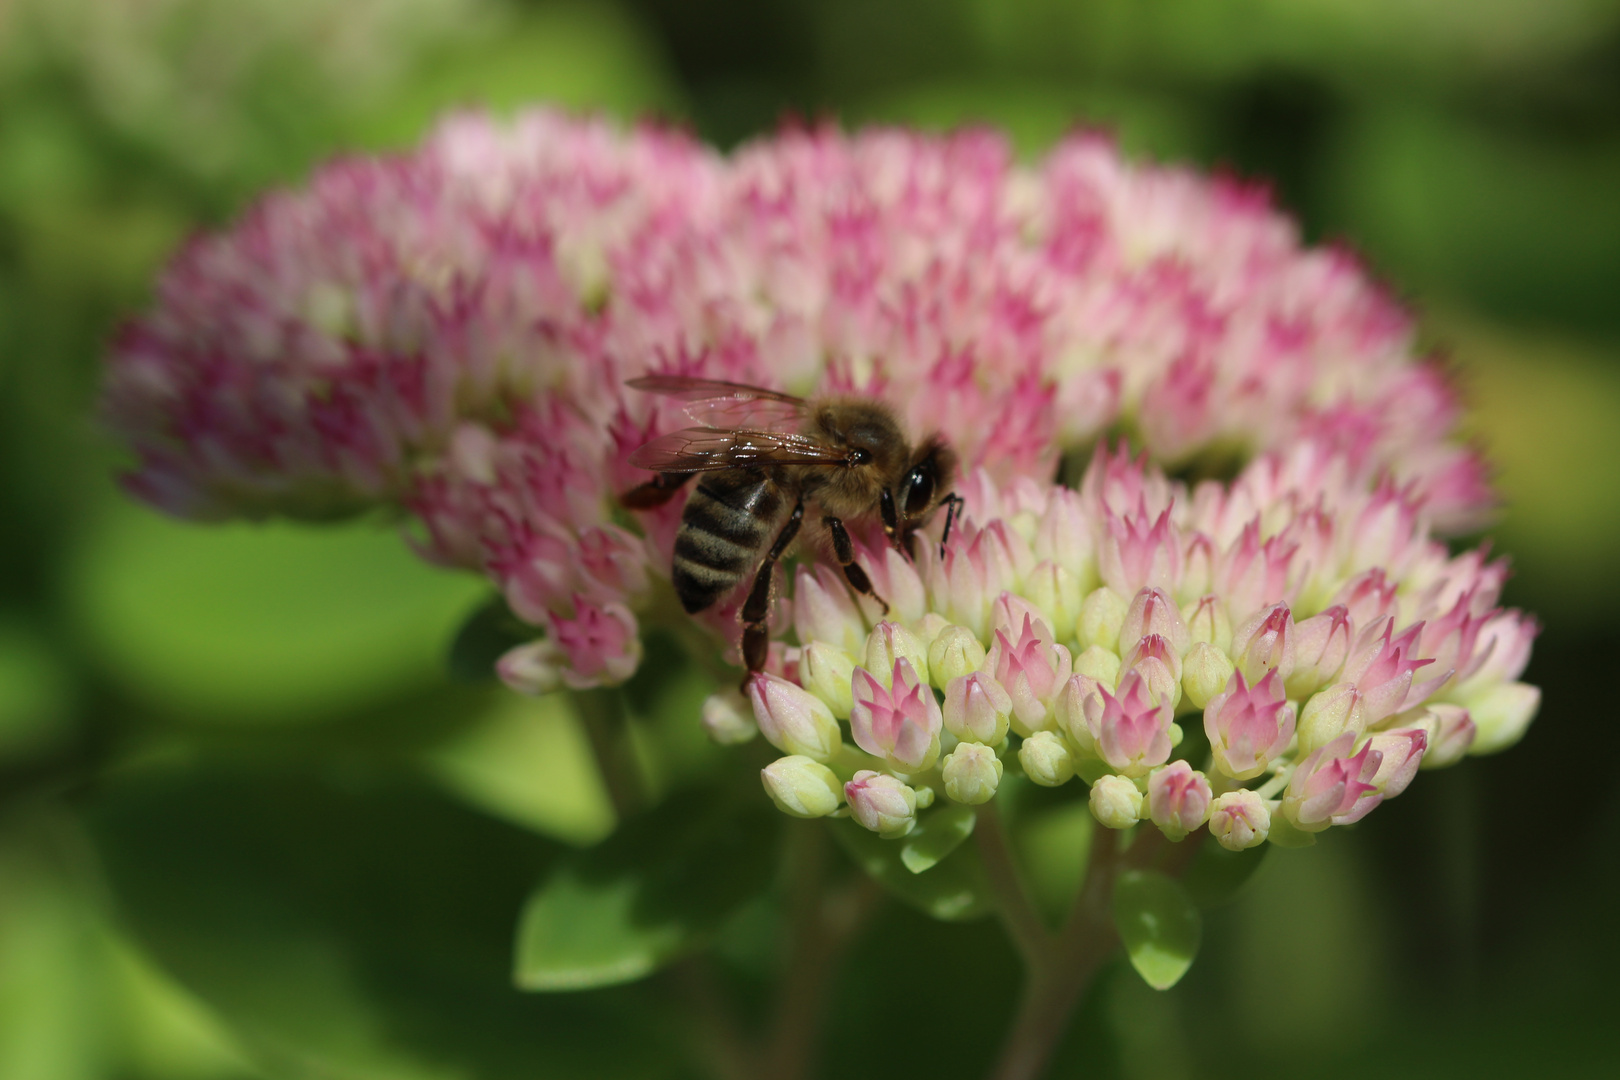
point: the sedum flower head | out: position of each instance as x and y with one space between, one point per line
449 331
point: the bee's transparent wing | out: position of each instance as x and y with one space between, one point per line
715 403
706 449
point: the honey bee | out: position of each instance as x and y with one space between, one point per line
763 455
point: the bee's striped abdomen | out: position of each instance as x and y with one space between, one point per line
728 522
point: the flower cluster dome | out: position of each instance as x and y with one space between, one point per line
1299 637
450 331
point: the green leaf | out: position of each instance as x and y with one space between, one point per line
937 835
1217 875
261 622
955 890
348 923
657 889
1159 925
529 762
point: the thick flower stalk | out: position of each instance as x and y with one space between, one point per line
1281 653
450 331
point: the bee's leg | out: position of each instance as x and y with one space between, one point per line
655 492
844 552
953 506
891 520
756 609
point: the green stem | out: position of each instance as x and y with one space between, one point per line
1058 977
715 1035
822 923
1029 934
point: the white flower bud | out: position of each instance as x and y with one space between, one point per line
972 771
1046 759
801 787
1178 798
1451 732
1102 614
823 609
728 719
793 719
533 668
1115 802
1151 611
953 654
977 709
1239 819
826 671
1265 642
881 803
1071 711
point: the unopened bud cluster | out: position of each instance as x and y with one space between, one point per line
1284 651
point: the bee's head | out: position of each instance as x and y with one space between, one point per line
924 483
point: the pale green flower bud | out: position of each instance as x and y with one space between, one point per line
728 719
889 642
977 709
881 803
1328 715
826 671
972 771
1116 802
1208 621
1205 673
953 654
929 627
1239 819
1501 715
1054 591
802 787
1100 664
1102 614
1046 759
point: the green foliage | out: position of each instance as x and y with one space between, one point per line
954 889
656 890
1159 925
255 623
936 835
347 922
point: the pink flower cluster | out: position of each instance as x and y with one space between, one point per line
450 331
1306 626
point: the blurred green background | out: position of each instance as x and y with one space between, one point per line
248 827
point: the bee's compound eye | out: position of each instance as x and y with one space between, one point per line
917 493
